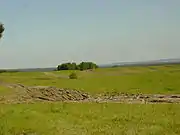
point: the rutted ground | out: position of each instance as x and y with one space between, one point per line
29 94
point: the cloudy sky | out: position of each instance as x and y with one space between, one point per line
44 33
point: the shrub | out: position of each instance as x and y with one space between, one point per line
73 76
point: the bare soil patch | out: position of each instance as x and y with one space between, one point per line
30 94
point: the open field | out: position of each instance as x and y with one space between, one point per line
152 79
39 111
89 119
130 84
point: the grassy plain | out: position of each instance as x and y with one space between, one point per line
89 119
95 118
151 79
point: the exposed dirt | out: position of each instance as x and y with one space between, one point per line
27 94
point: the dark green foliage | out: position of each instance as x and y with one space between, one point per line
73 76
1 29
67 66
87 65
64 66
74 66
3 71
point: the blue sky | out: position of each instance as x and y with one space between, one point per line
44 33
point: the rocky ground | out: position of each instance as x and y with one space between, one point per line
30 94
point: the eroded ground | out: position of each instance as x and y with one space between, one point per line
29 94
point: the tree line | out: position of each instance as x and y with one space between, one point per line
74 66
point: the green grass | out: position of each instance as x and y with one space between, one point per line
90 119
152 79
4 90
94 118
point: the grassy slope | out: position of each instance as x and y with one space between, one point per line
90 119
153 79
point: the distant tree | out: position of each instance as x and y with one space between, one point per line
67 66
77 67
74 66
1 29
87 65
64 66
82 66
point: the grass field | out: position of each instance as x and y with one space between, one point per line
89 119
95 118
152 79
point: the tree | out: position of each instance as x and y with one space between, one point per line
1 29
74 66
87 65
67 66
82 66
64 66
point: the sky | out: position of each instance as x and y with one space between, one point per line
44 33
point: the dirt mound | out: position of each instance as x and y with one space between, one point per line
56 94
30 94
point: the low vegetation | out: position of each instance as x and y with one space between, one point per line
89 119
73 76
151 79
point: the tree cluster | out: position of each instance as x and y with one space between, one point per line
1 29
74 66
